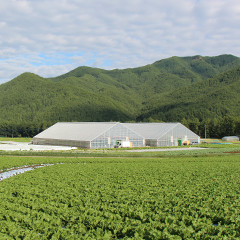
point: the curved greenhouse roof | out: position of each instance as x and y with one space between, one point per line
84 131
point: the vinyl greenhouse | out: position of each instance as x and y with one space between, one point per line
164 134
88 135
94 135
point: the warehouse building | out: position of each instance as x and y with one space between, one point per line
94 135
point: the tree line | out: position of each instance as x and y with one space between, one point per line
209 128
23 129
214 127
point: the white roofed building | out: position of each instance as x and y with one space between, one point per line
94 135
88 135
164 134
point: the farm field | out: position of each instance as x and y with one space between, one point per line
168 197
210 149
20 139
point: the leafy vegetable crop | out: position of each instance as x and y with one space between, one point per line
178 198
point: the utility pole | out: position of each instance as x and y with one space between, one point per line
205 132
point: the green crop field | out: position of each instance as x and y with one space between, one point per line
20 139
179 197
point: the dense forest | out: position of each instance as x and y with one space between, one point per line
201 92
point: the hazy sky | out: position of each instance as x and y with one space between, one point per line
51 37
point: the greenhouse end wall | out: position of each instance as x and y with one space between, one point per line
116 133
179 132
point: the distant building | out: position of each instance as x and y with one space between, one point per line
94 135
230 139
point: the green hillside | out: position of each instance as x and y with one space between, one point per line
214 97
168 90
30 97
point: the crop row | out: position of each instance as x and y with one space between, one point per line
192 198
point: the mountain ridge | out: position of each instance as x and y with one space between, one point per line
167 90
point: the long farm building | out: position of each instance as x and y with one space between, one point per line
93 135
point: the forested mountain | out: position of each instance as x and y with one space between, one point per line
173 89
214 97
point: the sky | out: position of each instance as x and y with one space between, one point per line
52 37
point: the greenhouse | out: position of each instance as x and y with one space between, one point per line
89 135
164 134
94 135
230 139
